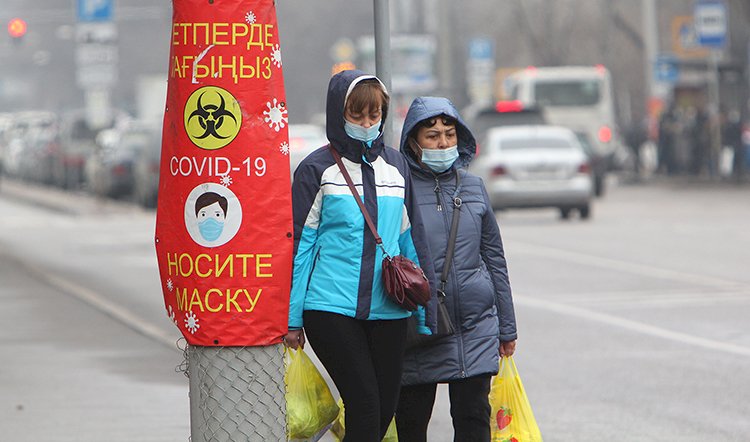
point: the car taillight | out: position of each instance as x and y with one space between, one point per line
605 134
53 148
508 106
499 170
119 170
584 168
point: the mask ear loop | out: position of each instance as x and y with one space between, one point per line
415 148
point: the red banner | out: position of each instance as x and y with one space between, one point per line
224 218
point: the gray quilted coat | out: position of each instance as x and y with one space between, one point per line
478 293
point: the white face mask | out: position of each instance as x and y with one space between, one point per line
440 160
361 133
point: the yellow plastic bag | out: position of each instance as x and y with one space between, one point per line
338 427
310 407
512 419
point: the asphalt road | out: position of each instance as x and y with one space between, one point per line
632 325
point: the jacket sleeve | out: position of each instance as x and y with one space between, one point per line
413 245
493 256
306 207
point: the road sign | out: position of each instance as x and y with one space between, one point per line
95 10
480 70
710 23
666 69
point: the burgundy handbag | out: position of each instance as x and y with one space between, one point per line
404 281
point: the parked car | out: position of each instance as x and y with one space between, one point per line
536 166
303 139
77 144
42 148
110 170
146 170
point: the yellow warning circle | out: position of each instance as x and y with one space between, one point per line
212 117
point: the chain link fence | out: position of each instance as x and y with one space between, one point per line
236 393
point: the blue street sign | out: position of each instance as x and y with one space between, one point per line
666 69
480 49
710 21
95 10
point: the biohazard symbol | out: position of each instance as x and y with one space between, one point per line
212 117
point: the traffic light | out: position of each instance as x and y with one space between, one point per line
16 29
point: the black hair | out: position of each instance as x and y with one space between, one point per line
209 198
430 122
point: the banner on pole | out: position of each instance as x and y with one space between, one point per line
224 219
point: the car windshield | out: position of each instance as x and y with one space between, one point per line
567 93
533 143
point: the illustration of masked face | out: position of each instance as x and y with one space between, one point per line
211 221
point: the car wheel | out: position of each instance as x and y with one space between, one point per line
564 213
585 212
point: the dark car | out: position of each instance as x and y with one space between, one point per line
502 113
77 144
146 170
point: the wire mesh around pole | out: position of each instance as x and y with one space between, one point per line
237 393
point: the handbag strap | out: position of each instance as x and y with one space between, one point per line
365 213
449 252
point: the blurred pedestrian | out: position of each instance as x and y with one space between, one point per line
732 137
668 128
438 146
700 135
337 292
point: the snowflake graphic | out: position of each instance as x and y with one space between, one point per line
250 17
284 148
170 314
225 180
170 284
191 322
276 115
276 55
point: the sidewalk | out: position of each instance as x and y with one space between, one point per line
70 373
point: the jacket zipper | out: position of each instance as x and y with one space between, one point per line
437 194
312 270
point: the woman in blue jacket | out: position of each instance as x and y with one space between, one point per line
438 146
337 291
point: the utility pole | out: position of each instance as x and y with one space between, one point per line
651 44
383 55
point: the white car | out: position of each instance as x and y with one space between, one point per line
303 139
535 166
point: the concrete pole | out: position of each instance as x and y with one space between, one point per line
445 47
651 44
383 57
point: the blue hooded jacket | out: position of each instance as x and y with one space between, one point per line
337 265
478 294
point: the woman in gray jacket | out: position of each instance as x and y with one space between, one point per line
438 146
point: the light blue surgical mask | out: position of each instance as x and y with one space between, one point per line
361 133
440 160
210 229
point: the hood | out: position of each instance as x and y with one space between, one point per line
423 108
339 88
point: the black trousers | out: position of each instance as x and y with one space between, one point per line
470 410
365 360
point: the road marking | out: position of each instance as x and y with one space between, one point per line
623 266
115 311
634 326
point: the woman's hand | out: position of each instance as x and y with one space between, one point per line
507 348
294 339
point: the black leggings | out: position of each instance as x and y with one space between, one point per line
470 410
365 360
